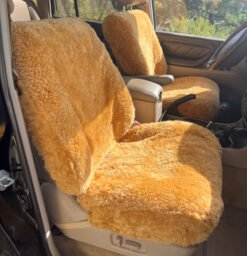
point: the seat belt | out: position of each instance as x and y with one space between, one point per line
30 3
14 72
16 78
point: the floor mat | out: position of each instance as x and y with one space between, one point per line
230 237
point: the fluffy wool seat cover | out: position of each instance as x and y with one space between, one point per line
206 104
137 50
160 182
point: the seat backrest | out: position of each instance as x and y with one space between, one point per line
74 100
23 12
134 43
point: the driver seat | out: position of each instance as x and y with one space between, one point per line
137 50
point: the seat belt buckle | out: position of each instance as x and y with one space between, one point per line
136 123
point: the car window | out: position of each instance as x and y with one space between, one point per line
87 9
209 18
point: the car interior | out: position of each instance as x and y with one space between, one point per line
118 139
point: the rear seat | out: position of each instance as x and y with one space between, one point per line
23 12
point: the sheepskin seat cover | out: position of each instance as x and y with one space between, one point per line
74 100
206 104
137 50
160 182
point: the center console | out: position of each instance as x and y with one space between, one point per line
234 163
233 139
147 99
230 137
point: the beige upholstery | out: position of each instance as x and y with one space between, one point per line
158 182
137 50
21 12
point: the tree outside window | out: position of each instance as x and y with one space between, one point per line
210 18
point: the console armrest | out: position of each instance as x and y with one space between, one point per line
158 79
144 90
147 99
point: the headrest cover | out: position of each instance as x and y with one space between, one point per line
10 6
122 3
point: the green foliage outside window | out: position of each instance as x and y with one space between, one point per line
95 9
210 18
88 9
199 26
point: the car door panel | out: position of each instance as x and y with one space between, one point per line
185 50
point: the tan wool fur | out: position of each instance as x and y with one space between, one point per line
134 43
205 106
137 50
75 102
158 181
162 182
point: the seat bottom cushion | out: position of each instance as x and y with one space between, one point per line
205 106
162 182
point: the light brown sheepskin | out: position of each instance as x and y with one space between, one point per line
134 43
206 104
137 50
75 103
160 181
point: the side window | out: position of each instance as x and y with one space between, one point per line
209 18
64 8
87 9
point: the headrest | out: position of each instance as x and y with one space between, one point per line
21 11
122 3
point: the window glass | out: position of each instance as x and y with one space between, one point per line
210 18
88 9
65 8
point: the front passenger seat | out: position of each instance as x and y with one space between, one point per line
159 183
137 50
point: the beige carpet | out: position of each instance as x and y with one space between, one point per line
230 237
